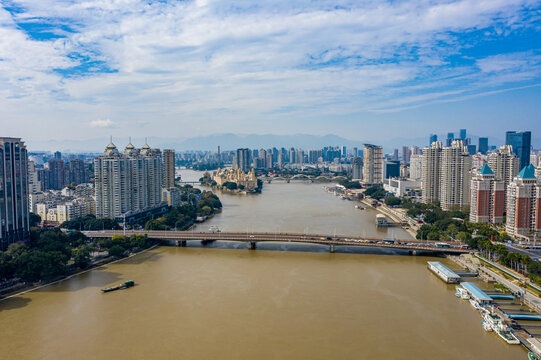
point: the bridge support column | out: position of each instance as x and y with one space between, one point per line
413 252
251 245
183 243
331 249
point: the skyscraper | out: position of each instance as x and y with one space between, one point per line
58 155
524 205
168 168
450 138
357 168
487 204
373 164
416 167
521 143
483 145
395 155
242 159
406 154
14 208
77 171
127 182
433 138
392 169
431 172
57 174
455 176
463 134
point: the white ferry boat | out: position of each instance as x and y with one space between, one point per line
506 334
475 304
214 229
461 292
491 320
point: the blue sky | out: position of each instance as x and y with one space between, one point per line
368 70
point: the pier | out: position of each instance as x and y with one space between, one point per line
443 272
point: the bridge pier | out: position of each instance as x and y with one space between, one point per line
251 245
180 243
331 249
413 252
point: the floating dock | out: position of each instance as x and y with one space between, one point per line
477 294
533 317
443 272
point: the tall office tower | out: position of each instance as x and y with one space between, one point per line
450 138
343 152
299 156
505 165
169 168
487 197
78 172
57 178
242 159
524 205
280 161
521 143
472 149
14 207
395 155
406 154
433 138
354 152
373 164
357 168
455 176
416 167
463 134
391 169
416 151
483 145
58 155
34 186
431 172
127 182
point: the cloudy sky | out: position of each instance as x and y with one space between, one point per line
360 69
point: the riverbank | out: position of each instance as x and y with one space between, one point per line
105 261
383 209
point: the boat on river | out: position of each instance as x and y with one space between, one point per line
506 334
461 292
475 304
126 284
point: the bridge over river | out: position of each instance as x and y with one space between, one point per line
181 237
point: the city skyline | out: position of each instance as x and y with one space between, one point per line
203 67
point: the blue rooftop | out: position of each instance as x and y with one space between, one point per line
444 269
528 172
486 170
477 293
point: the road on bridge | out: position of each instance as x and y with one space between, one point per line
321 239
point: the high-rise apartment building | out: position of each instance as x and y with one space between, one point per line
242 159
168 168
299 156
57 174
406 154
395 155
357 168
455 176
14 207
34 186
431 172
524 205
127 182
416 167
78 172
521 142
504 164
487 203
373 164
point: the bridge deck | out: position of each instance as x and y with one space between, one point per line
321 239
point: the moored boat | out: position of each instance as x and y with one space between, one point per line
474 303
462 292
506 334
126 284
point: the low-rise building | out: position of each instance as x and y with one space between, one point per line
403 187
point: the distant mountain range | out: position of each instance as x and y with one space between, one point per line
234 141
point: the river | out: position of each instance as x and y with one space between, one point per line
208 303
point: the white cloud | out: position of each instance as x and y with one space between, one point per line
106 123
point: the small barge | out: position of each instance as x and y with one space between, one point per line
124 285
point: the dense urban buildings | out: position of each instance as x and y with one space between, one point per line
487 204
373 164
524 205
131 181
14 208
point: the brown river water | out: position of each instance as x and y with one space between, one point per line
232 303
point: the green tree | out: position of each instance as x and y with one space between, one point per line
117 251
392 201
